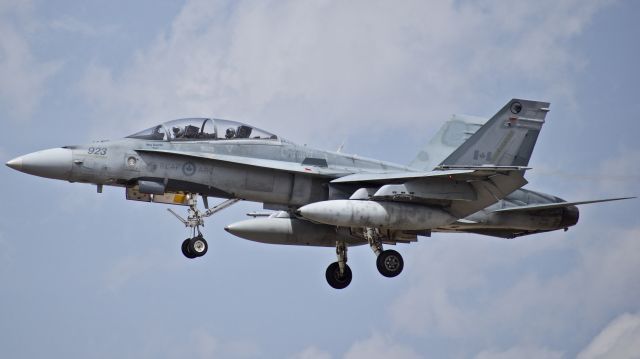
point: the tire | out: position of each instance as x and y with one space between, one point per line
185 249
198 246
390 263
334 278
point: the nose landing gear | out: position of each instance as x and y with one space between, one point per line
197 246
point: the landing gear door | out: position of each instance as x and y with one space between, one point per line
171 198
134 194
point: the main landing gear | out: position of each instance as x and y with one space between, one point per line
197 246
338 273
389 262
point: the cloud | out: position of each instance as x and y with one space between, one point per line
200 343
521 353
526 293
374 347
312 353
24 77
337 66
620 339
205 345
380 347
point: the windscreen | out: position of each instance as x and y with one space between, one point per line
201 129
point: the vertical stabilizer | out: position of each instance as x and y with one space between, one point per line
450 136
507 139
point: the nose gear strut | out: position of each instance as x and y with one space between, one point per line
197 246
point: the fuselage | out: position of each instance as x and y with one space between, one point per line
124 162
263 168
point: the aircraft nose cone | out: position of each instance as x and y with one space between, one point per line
15 163
52 163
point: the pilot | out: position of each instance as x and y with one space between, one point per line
177 132
231 133
157 133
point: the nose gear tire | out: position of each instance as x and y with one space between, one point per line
185 249
194 247
198 246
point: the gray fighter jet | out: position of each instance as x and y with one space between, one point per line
322 198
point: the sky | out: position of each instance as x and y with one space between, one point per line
88 275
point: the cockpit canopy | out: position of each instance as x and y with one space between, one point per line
201 129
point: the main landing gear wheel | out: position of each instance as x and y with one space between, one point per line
389 263
334 278
194 247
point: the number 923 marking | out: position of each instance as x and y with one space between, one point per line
100 151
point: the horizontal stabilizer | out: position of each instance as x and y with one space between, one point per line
539 207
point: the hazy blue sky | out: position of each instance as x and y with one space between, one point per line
87 275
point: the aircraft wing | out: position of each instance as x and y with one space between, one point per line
463 190
393 177
252 161
539 207
452 172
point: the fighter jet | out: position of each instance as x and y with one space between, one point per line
323 198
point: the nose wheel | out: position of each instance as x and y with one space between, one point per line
197 246
194 247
